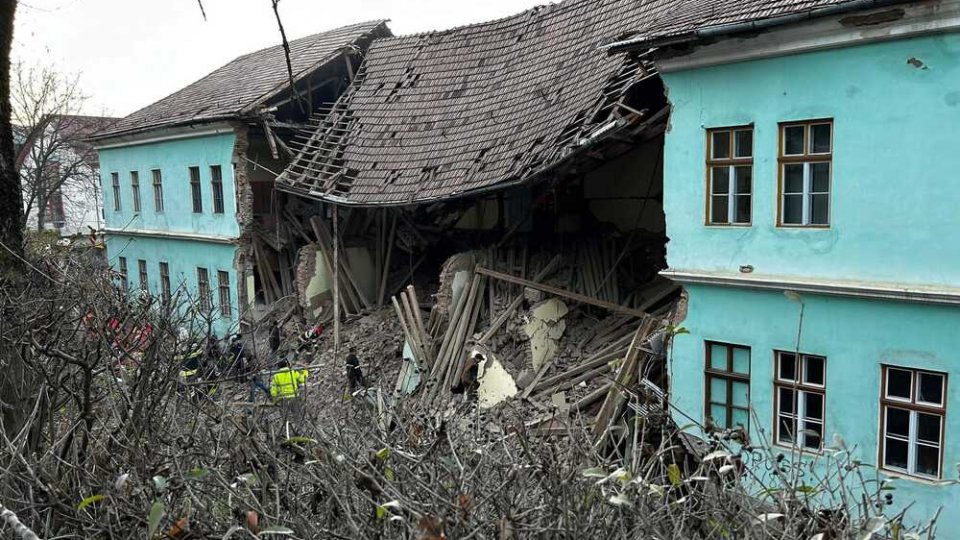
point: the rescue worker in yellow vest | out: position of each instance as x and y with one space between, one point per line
286 383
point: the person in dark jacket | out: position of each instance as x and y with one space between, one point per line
354 373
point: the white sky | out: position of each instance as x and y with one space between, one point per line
130 53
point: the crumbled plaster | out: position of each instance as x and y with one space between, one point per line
544 329
496 384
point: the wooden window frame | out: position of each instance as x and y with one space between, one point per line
165 291
914 407
216 184
115 182
203 289
729 376
223 289
806 158
157 190
135 189
731 163
143 274
122 262
801 388
196 193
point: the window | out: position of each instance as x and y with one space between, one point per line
216 182
729 175
806 161
195 190
115 179
135 186
144 283
728 385
203 288
54 212
912 406
123 272
165 283
157 190
800 397
223 282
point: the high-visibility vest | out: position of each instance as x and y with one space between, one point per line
286 384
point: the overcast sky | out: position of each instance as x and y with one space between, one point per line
130 53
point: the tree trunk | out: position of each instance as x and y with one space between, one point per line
11 204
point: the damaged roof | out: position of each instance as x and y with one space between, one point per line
692 20
479 107
245 82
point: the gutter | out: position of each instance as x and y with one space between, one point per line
710 32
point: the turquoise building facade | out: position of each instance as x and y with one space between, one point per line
811 208
188 181
182 247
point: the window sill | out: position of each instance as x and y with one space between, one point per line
813 227
734 225
800 450
918 479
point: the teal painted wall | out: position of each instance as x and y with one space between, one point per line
173 158
183 257
896 162
856 336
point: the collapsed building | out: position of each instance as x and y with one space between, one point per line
498 185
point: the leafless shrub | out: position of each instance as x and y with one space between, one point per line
102 440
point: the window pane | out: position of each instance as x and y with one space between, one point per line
812 434
895 454
930 388
719 415
718 357
788 366
720 209
820 138
928 460
898 422
718 390
899 383
812 406
787 401
741 211
813 372
793 178
721 144
793 209
743 143
721 180
786 429
820 177
928 428
741 360
820 209
741 394
744 179
741 417
793 140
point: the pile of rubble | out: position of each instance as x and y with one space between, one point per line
545 331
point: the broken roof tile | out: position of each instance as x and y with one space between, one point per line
480 106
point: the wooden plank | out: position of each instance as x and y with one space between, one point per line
556 291
386 265
515 303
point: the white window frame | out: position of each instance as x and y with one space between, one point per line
806 159
732 162
802 389
135 189
915 407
